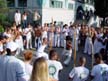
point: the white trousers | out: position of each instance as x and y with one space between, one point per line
18 22
63 40
88 46
57 40
29 43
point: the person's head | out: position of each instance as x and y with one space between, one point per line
11 48
40 70
28 55
82 61
53 55
98 58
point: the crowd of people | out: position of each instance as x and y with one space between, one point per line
47 66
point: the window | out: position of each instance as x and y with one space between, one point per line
11 3
22 3
70 6
56 4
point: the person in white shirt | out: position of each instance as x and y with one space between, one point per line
100 70
11 68
28 36
24 20
79 73
63 35
40 51
75 33
88 43
17 17
67 52
36 17
57 37
54 65
27 60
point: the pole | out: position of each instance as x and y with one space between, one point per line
74 49
51 39
92 49
92 54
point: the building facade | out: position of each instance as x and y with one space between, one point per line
59 10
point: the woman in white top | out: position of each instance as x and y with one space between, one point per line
24 19
27 60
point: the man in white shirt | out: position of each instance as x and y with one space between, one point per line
54 65
100 70
40 51
11 68
17 17
79 73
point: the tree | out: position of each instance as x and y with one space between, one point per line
3 13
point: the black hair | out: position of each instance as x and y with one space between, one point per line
98 56
8 51
52 54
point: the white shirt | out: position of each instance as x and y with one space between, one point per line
41 48
28 70
79 73
40 52
27 32
44 34
100 72
17 17
54 68
11 69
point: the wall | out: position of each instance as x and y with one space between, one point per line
58 15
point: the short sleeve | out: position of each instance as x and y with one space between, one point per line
60 66
72 73
20 71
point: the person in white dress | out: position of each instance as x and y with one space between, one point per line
17 17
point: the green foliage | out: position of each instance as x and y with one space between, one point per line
3 7
3 13
1 29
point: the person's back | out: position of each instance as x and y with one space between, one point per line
54 65
100 72
54 68
80 73
11 69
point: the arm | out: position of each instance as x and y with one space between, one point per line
72 74
20 71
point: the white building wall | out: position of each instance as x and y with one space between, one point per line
64 15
